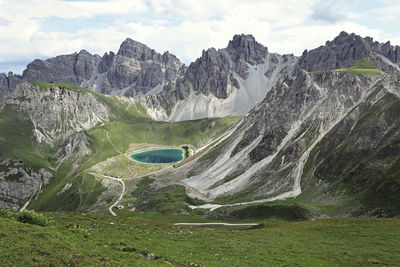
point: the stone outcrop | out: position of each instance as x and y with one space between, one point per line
19 183
8 83
74 147
209 74
73 69
56 112
244 49
219 83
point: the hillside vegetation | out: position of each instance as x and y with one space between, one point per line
364 67
89 239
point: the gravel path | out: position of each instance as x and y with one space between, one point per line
120 196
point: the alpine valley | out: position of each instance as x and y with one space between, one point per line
265 137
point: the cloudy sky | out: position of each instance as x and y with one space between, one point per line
32 29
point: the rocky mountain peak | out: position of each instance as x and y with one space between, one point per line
168 57
212 57
347 48
245 47
242 40
84 52
134 49
346 39
209 74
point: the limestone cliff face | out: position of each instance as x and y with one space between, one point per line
56 112
245 49
137 70
8 83
53 121
209 74
19 183
75 146
73 69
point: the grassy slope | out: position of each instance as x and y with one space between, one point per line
82 240
17 141
364 67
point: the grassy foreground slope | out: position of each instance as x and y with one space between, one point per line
89 239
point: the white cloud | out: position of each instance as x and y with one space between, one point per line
309 37
184 27
199 24
66 9
390 17
328 10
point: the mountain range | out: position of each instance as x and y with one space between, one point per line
320 131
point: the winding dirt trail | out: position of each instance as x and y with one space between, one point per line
120 196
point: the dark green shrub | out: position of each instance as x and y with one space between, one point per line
289 212
31 217
26 216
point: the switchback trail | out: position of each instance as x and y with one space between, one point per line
120 196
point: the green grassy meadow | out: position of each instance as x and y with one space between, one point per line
89 239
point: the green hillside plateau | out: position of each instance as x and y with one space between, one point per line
364 67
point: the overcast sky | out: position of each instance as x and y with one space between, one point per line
32 29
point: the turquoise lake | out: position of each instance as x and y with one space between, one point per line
166 155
